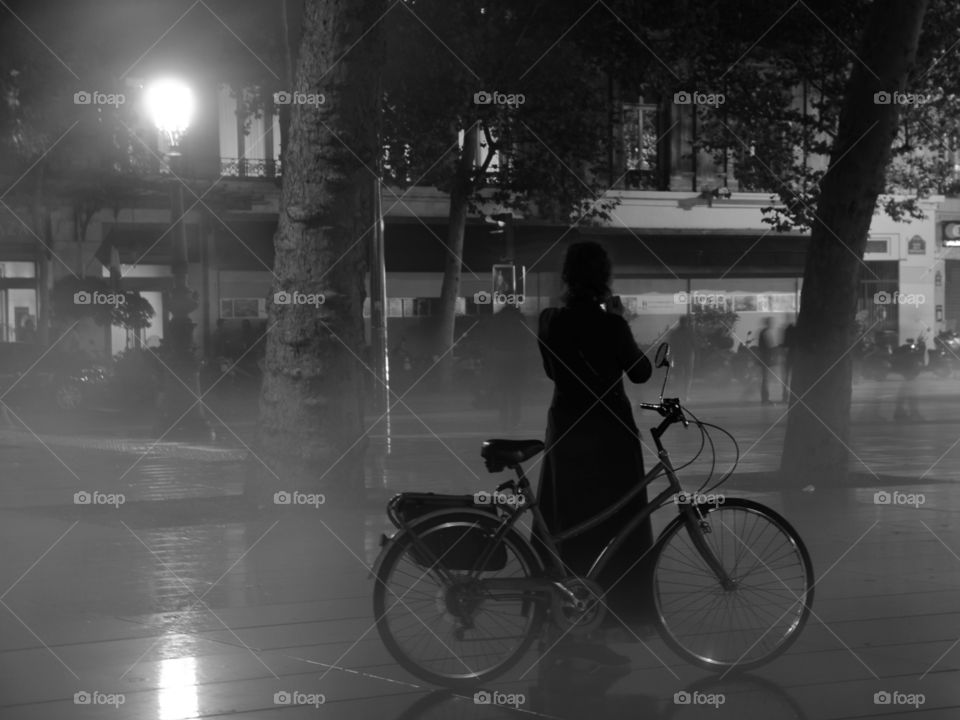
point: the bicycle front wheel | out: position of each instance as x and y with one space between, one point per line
755 618
455 634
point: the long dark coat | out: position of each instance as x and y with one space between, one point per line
592 445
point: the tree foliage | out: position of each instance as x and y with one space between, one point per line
446 59
95 298
783 78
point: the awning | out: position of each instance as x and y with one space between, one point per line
415 247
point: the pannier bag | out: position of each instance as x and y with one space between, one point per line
458 548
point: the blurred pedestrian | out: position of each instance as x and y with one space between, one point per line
764 355
27 332
683 351
248 335
509 339
789 347
907 362
221 340
593 454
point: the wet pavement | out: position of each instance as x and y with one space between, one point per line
180 602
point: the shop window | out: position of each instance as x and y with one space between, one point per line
640 145
19 313
18 270
415 307
243 308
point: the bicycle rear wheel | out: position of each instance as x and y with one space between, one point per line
753 622
454 634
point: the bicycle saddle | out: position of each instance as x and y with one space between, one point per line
503 453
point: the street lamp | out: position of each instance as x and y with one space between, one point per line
170 104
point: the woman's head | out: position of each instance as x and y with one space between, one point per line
586 272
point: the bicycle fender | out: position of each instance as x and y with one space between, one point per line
386 541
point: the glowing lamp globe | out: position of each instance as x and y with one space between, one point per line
170 105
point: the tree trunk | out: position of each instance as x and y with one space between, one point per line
284 110
816 448
311 403
453 263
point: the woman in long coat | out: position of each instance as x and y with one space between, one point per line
593 449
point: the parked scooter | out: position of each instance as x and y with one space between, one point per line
944 358
908 359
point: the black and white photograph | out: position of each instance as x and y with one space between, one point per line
480 359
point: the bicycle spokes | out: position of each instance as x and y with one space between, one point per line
749 619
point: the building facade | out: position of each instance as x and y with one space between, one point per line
672 248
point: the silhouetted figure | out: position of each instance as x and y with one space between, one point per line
764 354
907 362
593 455
221 340
789 350
508 368
248 335
27 332
683 351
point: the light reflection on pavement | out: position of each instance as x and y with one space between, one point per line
190 604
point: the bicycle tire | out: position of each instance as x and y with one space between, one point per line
669 586
522 556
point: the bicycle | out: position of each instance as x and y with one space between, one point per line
732 581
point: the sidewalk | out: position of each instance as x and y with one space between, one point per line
115 454
190 607
286 606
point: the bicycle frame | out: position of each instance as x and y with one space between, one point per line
555 569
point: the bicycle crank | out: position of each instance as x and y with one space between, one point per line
576 605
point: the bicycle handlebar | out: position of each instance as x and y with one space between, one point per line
668 408
656 407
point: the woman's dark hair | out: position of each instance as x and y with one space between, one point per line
586 273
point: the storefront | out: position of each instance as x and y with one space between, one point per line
18 301
670 253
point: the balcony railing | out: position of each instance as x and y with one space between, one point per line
246 168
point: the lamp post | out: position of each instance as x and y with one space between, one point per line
170 105
378 309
